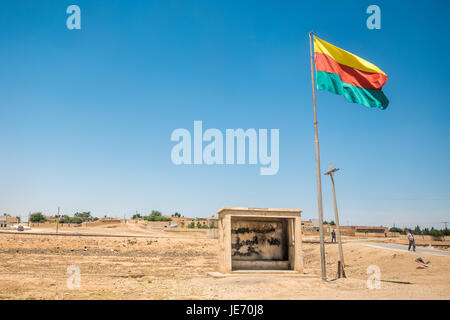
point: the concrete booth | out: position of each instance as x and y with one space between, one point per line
260 239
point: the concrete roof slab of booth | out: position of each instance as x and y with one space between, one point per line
266 212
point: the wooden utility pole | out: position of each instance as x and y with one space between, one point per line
57 222
316 144
341 271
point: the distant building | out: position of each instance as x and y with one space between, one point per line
308 225
51 219
315 223
312 225
183 222
213 222
364 230
6 221
180 221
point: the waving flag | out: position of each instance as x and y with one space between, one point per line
348 75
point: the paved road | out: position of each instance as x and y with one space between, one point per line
404 248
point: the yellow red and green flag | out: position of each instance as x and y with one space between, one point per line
346 74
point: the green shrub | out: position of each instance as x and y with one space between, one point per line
85 216
67 219
37 217
395 229
436 233
156 216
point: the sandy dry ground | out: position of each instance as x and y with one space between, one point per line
174 266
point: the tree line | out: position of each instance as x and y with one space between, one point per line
78 217
425 231
153 216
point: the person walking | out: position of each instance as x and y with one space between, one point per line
411 241
333 236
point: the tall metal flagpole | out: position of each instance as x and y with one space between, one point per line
319 183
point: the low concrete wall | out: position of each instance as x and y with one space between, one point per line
158 224
371 234
426 238
53 225
72 225
393 234
212 233
350 233
185 230
102 222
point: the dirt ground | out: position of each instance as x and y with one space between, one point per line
146 264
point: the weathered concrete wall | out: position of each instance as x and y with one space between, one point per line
426 237
158 224
73 225
370 234
212 233
258 240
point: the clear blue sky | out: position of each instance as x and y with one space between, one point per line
86 115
